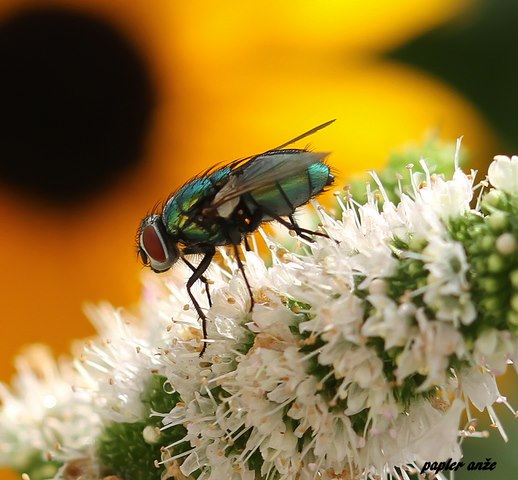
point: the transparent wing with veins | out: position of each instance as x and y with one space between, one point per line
265 169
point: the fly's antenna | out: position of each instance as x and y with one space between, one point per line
306 134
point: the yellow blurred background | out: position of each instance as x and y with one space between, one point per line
229 79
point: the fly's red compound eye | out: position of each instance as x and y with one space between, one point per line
157 248
152 244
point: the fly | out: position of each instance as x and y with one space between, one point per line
222 206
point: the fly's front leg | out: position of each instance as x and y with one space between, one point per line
202 278
197 275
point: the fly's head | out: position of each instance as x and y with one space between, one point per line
156 248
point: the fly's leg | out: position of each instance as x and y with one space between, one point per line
197 275
202 278
247 244
247 223
242 268
301 231
292 224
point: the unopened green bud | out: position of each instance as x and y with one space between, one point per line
490 285
493 199
478 265
487 243
514 278
416 244
491 303
497 221
495 263
415 268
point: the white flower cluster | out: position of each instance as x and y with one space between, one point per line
42 418
357 361
311 395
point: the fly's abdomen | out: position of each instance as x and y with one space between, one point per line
284 196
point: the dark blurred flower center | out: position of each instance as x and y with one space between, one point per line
75 104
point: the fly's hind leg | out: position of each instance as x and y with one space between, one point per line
292 223
198 275
303 232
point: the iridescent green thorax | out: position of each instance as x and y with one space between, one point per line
180 210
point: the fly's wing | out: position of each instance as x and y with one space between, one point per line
243 162
260 170
305 134
263 170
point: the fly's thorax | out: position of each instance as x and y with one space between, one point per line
187 204
157 248
186 214
194 227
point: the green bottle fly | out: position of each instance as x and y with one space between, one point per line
224 205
